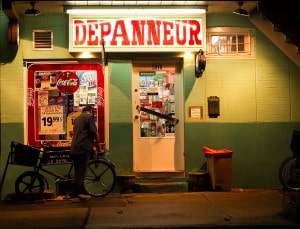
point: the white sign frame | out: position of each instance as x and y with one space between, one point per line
127 34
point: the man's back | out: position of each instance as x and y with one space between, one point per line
83 134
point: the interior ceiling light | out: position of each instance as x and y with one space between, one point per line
32 11
240 11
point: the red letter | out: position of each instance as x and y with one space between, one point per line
179 25
138 32
105 29
80 29
167 33
154 32
194 32
92 25
125 41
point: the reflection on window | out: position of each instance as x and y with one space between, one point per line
227 44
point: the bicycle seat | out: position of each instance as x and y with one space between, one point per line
295 143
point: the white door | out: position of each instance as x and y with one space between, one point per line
157 116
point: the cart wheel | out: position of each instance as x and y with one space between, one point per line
29 185
100 178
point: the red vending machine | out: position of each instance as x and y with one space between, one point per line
56 94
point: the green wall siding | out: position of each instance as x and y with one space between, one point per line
8 52
59 24
10 132
258 149
120 92
120 151
120 117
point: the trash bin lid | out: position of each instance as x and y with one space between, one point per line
210 151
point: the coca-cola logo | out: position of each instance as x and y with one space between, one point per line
67 82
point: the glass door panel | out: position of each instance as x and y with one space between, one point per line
156 93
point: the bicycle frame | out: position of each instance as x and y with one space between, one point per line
96 156
39 168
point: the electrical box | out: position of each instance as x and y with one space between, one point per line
213 103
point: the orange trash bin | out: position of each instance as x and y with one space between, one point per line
219 163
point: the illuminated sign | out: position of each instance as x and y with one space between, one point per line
136 34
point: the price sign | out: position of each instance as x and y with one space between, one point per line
51 120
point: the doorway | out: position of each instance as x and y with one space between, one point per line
157 107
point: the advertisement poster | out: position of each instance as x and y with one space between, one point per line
157 95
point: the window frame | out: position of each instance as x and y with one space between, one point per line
230 34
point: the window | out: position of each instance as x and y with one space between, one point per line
230 42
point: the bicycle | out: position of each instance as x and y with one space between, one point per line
99 180
289 169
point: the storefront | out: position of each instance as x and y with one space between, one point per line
156 82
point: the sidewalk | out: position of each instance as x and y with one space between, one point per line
239 208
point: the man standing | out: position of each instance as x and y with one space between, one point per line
84 134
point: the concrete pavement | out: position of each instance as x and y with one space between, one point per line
239 208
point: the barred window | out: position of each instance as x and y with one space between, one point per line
230 41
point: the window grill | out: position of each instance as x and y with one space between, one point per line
42 39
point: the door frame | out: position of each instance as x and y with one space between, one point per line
179 160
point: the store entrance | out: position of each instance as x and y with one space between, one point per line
157 105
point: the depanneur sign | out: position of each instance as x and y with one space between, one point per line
136 34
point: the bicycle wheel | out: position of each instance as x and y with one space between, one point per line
29 185
100 178
289 173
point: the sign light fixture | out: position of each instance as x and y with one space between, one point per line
133 11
